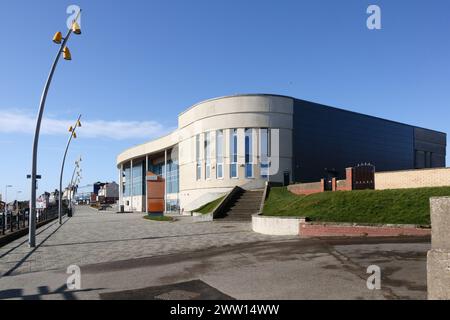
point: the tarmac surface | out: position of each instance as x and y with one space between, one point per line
122 256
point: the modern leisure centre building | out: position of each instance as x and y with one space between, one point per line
246 140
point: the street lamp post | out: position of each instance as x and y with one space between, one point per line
6 194
77 166
5 215
73 134
62 49
75 183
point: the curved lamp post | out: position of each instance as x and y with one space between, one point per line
6 194
71 185
73 134
75 187
77 166
58 39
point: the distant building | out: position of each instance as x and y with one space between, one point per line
108 193
53 198
97 186
42 201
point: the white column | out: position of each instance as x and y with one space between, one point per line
165 180
131 185
121 185
146 185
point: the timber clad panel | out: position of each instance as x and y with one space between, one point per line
155 193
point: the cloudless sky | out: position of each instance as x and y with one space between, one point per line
138 64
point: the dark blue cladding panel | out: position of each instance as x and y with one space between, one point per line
333 139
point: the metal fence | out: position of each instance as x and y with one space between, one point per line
14 221
363 176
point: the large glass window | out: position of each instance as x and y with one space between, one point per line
233 153
138 179
248 153
219 154
264 138
127 181
172 176
197 157
172 172
207 155
173 205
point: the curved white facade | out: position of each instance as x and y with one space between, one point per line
219 143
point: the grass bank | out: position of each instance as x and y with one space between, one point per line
158 218
209 207
403 206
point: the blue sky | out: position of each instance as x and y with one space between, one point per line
140 63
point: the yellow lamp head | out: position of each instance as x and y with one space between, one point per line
76 28
70 129
66 54
57 37
78 123
74 135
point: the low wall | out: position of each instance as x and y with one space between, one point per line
353 230
342 185
297 226
306 188
276 226
419 178
200 217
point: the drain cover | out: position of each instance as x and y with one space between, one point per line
190 290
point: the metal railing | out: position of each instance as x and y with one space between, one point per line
15 221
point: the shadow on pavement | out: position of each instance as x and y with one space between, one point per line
42 291
189 290
18 264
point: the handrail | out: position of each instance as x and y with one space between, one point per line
264 197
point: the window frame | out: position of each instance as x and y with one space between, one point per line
219 153
234 153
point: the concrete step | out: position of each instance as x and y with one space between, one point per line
242 207
258 200
241 216
245 206
250 198
239 219
255 194
246 212
247 203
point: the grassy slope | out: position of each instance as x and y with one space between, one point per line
408 206
207 208
158 218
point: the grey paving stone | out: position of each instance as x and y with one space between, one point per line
90 237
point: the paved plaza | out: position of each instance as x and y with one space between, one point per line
92 236
124 255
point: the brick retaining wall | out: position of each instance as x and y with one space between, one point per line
307 188
419 178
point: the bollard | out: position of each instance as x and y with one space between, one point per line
438 258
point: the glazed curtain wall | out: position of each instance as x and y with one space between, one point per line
172 174
134 183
